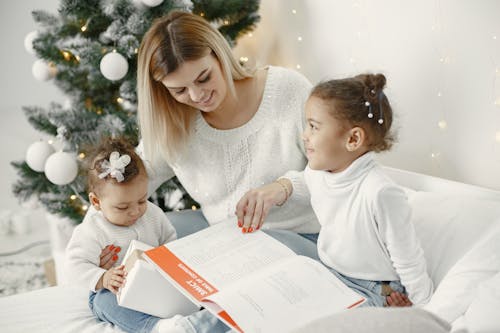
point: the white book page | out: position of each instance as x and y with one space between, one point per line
222 254
285 295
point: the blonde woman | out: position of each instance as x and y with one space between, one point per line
222 130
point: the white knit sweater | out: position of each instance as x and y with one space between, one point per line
95 232
366 228
220 166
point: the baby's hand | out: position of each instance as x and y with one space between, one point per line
398 299
114 278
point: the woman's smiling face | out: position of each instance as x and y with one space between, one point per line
198 83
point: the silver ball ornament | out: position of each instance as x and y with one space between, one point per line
61 168
114 66
37 154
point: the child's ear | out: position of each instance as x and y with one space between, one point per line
355 139
94 200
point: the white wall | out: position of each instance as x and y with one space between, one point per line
441 59
18 88
403 40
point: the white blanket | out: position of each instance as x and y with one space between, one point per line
50 310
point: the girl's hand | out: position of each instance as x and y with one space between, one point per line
253 207
398 299
108 256
114 278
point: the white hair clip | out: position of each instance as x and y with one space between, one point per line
115 167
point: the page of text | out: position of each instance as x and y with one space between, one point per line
284 295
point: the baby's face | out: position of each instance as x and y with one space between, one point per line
124 203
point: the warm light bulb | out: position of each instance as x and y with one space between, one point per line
497 101
73 197
77 58
226 22
243 59
81 156
435 155
495 37
193 207
294 11
442 124
66 55
298 66
299 39
439 94
119 100
250 34
85 207
50 141
85 26
202 14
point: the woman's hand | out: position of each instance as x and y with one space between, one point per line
114 278
254 206
108 256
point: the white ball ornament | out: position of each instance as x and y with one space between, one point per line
28 41
42 71
61 168
114 66
37 154
152 3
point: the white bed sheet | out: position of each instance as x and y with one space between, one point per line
65 308
51 310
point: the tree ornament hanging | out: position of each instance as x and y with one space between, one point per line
28 41
114 66
37 154
61 168
43 71
152 3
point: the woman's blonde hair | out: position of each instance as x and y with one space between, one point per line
173 39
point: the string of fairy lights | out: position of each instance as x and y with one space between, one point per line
444 59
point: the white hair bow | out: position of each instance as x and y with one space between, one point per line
115 167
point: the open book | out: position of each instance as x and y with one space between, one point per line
252 282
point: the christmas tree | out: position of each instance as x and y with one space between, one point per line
89 50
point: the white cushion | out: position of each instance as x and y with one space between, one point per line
482 314
448 226
378 320
458 288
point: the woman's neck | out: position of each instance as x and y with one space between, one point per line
237 110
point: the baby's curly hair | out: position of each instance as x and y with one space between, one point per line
102 152
348 98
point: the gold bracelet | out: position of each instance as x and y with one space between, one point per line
287 192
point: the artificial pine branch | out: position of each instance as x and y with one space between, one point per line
75 41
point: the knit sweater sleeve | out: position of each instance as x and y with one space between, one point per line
158 171
302 89
393 215
167 230
300 192
82 258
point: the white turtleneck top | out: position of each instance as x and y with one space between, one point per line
366 229
219 166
